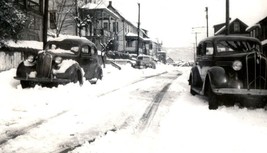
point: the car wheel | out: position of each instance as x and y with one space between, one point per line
212 99
26 84
100 74
77 77
191 86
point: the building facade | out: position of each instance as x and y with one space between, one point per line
236 27
34 12
259 30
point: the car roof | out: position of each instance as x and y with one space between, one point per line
229 37
76 40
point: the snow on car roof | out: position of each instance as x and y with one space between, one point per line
76 39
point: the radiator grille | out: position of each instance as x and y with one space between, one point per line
256 69
44 65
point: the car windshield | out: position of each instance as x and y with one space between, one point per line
62 48
238 46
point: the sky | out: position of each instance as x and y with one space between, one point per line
171 21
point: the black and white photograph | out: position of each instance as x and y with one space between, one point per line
133 76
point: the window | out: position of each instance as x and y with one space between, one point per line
105 25
115 26
129 43
209 48
236 27
53 20
85 50
237 46
150 46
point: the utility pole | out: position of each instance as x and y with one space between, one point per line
77 30
227 18
45 23
207 18
196 45
196 33
138 29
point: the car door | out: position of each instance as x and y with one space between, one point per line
205 58
88 61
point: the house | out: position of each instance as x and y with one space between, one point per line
103 24
127 36
34 11
259 30
236 27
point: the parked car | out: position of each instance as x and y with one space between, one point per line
62 61
232 67
145 61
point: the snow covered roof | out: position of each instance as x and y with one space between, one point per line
264 42
93 6
253 26
62 37
24 44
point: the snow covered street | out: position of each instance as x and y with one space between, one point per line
130 110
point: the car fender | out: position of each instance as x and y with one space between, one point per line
195 75
72 69
216 77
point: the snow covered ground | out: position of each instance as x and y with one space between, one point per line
32 120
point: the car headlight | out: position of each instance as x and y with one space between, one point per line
30 58
237 65
58 60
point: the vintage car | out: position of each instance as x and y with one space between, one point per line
230 68
63 61
145 61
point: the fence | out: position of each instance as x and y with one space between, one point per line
11 57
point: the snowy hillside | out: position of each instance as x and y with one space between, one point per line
182 53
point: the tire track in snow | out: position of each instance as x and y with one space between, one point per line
151 110
13 134
67 147
147 77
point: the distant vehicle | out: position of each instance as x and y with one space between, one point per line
145 61
63 61
231 68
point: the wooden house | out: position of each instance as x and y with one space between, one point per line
236 27
259 30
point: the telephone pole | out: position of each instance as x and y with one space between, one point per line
207 18
194 29
138 29
227 18
45 23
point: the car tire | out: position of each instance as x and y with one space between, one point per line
212 99
77 77
26 84
191 86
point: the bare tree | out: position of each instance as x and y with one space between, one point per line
65 12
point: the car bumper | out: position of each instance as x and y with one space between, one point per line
44 80
233 91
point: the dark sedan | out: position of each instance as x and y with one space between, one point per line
63 61
230 69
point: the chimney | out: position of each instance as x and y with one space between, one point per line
110 3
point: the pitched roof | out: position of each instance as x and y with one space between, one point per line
257 24
223 27
93 6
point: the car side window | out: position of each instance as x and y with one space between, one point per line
209 48
86 50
